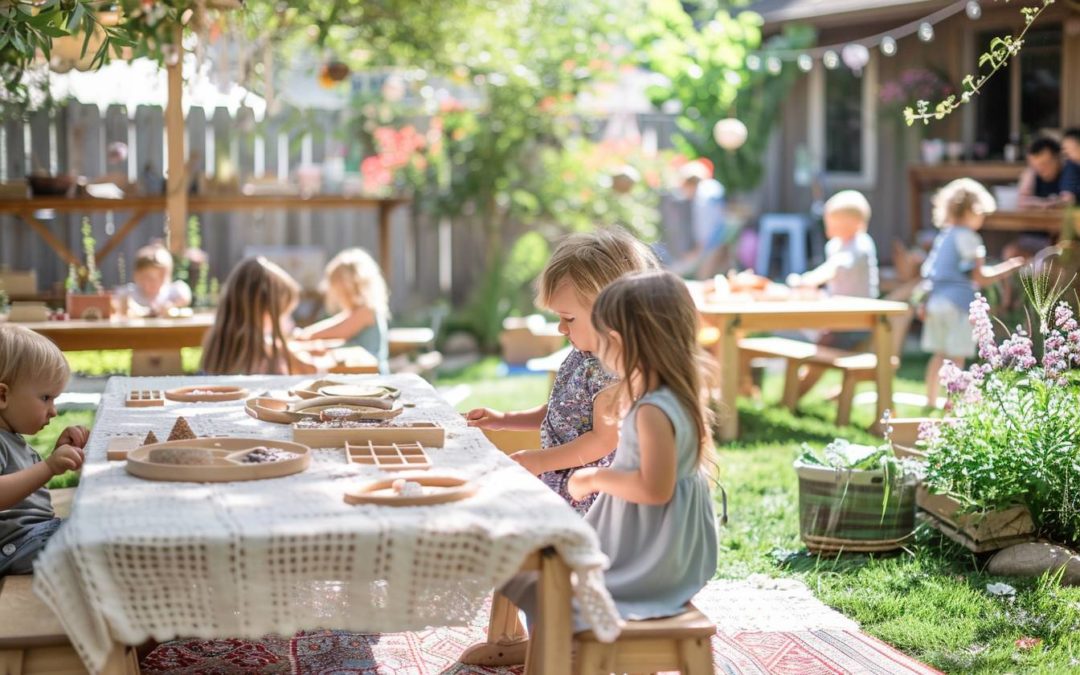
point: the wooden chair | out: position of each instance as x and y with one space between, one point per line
682 643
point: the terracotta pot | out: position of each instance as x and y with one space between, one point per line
89 305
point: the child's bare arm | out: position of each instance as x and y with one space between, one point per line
819 276
586 448
520 420
341 325
18 486
653 482
984 274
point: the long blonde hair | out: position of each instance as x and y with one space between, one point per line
959 198
356 281
655 316
236 344
590 261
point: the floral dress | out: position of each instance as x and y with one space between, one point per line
570 414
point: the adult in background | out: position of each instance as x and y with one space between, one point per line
1070 175
1040 184
707 228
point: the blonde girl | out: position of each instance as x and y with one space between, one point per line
954 270
356 292
253 317
577 424
654 515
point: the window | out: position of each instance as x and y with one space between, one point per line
843 129
1025 98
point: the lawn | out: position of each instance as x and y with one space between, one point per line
930 600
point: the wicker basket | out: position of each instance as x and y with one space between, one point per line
841 510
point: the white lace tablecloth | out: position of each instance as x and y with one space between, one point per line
141 559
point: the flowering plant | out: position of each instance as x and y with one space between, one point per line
1014 437
912 83
85 278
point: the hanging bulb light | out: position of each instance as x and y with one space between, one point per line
926 31
773 65
753 62
888 45
973 9
830 59
806 63
730 133
855 57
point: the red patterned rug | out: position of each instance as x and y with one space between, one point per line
824 643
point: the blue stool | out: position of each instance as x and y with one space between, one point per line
795 226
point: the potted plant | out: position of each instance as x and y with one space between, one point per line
85 297
855 498
1007 466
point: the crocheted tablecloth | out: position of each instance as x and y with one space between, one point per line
142 559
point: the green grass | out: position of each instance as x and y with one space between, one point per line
929 601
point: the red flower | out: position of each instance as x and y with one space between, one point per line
1026 644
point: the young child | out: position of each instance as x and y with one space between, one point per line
153 291
355 289
850 268
577 425
954 270
33 372
654 515
253 318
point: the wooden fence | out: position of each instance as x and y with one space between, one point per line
431 261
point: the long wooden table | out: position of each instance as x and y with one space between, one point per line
732 318
139 207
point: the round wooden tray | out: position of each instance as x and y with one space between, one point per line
439 490
317 388
287 412
227 465
207 393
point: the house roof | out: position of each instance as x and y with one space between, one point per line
825 13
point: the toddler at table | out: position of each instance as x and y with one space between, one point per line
850 268
954 270
252 320
654 516
355 290
153 291
33 372
577 424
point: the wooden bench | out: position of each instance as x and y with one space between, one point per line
682 643
31 637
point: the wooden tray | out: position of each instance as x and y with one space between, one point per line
286 412
226 465
144 398
207 393
394 457
118 447
425 433
438 490
315 388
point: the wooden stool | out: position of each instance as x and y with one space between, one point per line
682 643
31 638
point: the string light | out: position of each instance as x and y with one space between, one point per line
973 10
926 31
888 45
753 62
831 60
806 63
773 65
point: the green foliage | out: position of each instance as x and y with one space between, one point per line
85 278
706 71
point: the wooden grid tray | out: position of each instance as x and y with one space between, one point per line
393 457
225 465
425 433
144 398
437 490
206 393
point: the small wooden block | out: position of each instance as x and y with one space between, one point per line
118 448
394 457
425 433
145 398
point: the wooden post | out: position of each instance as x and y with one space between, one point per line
176 194
385 259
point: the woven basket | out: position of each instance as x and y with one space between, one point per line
841 510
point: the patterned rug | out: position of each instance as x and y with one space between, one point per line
764 626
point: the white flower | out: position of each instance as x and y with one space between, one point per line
1001 590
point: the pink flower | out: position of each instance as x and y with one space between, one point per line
983 331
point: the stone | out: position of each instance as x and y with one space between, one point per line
1035 558
181 431
150 438
461 343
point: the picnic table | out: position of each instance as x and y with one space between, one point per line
735 317
140 560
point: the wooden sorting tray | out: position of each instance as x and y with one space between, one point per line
325 387
118 447
144 398
284 412
426 434
206 393
226 464
437 490
393 457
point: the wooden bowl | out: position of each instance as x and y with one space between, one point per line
206 393
438 490
50 186
227 464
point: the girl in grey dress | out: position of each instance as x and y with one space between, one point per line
654 513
